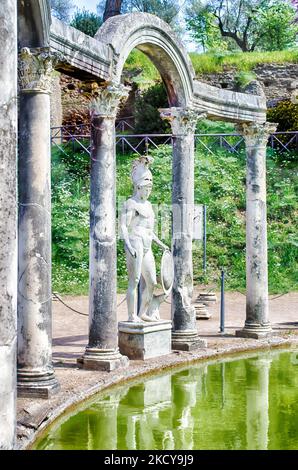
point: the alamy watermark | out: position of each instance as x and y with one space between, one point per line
171 219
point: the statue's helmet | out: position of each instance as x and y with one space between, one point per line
141 175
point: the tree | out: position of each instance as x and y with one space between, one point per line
112 8
86 21
61 9
277 26
167 10
250 24
200 22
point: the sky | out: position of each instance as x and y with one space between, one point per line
88 4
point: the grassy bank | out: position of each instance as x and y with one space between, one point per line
219 183
207 63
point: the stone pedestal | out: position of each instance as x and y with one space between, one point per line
145 340
257 323
183 123
35 372
102 350
201 311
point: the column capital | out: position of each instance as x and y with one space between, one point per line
108 98
183 120
256 133
35 69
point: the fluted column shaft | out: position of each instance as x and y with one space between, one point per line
183 123
102 350
35 372
257 312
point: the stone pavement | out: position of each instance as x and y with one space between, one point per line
70 330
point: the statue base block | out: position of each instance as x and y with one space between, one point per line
145 340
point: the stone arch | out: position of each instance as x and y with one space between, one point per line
155 38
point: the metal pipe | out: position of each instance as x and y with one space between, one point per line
222 303
205 238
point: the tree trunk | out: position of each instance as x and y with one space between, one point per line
112 8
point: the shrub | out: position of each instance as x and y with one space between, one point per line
286 114
147 116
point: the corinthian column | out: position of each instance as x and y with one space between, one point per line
183 123
8 222
102 351
257 323
35 372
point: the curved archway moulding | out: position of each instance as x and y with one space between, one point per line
156 39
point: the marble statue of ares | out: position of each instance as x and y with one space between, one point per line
137 227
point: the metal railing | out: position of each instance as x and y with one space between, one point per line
78 137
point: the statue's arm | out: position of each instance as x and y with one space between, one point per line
159 242
126 218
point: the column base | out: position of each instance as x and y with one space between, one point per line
201 312
187 340
255 331
36 384
207 298
102 359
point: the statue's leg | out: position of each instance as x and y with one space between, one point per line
149 274
134 266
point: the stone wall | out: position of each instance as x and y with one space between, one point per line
69 103
278 80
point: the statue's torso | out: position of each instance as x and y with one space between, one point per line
142 222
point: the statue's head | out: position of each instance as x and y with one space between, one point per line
142 177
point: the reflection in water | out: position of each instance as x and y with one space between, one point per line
241 404
257 403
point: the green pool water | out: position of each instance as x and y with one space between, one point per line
249 403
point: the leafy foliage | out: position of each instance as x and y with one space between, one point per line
86 21
147 116
242 79
247 24
167 10
286 114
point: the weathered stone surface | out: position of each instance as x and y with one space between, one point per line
156 39
257 312
56 102
34 20
145 340
8 222
183 123
102 359
102 347
278 80
229 105
35 372
201 311
206 298
187 340
84 57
